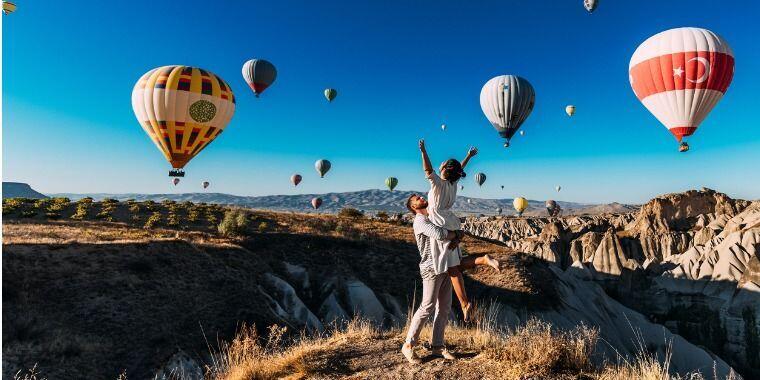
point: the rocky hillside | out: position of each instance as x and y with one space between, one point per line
366 200
20 190
686 260
143 287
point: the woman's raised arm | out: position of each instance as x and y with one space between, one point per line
426 165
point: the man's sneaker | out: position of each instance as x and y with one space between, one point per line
443 352
409 354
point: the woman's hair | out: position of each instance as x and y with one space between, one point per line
454 170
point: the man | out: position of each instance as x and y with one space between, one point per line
436 289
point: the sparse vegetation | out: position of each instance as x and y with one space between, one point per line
382 216
235 223
263 227
153 221
350 212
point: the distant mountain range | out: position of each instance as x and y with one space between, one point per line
20 190
371 201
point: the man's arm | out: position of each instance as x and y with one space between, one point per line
426 165
434 232
470 154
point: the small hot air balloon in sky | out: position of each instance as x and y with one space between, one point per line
391 183
680 75
498 210
316 202
175 181
204 183
259 74
443 127
182 109
558 188
590 5
330 94
322 166
502 187
8 7
570 110
520 204
507 100
480 178
295 179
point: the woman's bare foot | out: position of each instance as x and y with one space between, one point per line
466 309
493 263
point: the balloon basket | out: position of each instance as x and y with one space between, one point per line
684 147
176 173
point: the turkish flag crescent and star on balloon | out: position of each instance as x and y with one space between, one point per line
680 75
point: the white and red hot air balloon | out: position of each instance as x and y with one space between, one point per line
680 75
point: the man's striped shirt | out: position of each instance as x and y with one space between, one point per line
424 231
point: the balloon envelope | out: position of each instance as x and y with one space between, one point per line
175 181
520 204
507 100
259 74
8 7
443 127
295 179
570 110
590 5
330 94
558 188
316 202
480 178
322 166
498 210
391 183
182 109
680 75
552 208
205 184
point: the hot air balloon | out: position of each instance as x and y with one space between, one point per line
570 110
443 127
552 208
322 166
469 200
461 187
182 109
507 100
175 181
480 178
498 210
558 188
522 133
680 75
330 94
590 5
520 205
8 7
316 202
391 183
259 74
502 187
295 179
204 184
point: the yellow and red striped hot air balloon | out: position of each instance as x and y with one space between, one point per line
680 75
182 109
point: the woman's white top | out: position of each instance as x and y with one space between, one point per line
441 198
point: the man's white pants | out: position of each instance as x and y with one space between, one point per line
436 301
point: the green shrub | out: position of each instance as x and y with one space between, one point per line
28 214
211 218
172 220
53 215
350 212
263 226
81 211
235 223
134 208
41 203
193 214
110 201
153 221
168 202
85 200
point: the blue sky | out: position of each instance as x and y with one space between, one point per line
401 68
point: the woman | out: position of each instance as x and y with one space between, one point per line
447 255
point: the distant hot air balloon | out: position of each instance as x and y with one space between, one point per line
316 202
8 7
522 133
570 110
461 187
558 188
469 200
507 100
680 75
322 166
552 208
295 179
182 109
590 5
480 178
391 183
443 127
330 94
204 183
520 204
175 181
259 74
498 210
502 187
